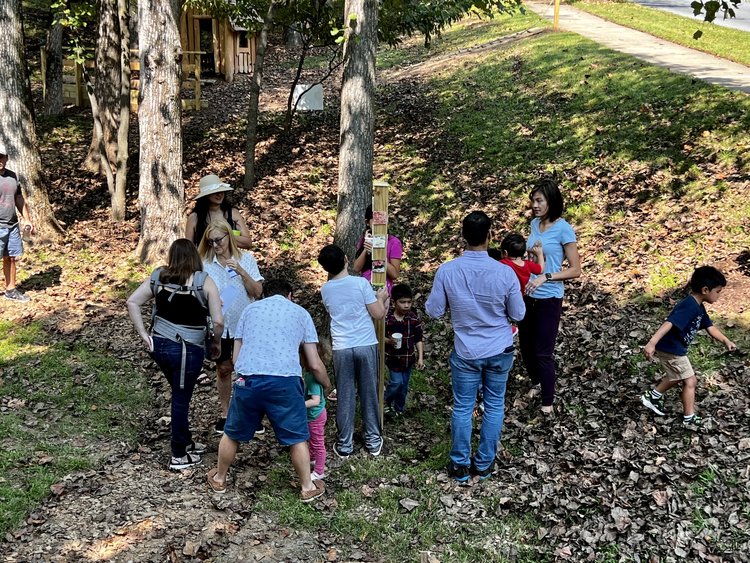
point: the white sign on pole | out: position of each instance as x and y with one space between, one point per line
312 100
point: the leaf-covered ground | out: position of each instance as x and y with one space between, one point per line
653 186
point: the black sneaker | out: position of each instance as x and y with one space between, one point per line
15 295
693 423
342 455
459 473
482 473
219 426
656 405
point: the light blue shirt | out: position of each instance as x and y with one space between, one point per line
232 290
272 331
483 295
557 235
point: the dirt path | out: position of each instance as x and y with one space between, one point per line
649 48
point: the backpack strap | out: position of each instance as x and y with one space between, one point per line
199 280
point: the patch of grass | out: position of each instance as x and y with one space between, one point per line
466 34
717 40
65 403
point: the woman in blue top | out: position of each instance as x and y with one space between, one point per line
538 330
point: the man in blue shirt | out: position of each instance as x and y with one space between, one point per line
269 383
484 297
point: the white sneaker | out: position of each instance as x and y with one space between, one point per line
188 460
314 475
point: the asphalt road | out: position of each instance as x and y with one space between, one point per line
741 20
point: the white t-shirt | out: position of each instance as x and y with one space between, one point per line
347 299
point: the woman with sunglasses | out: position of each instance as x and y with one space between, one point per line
211 203
236 274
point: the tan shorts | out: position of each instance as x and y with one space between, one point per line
678 368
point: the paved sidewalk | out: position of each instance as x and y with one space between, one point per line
649 48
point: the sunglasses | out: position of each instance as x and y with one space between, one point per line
216 241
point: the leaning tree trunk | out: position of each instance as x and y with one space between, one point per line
253 104
161 193
121 171
17 121
53 89
106 87
357 121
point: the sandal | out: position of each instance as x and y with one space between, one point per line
215 485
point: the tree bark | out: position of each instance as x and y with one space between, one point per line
106 86
53 91
17 128
253 104
121 172
161 193
356 138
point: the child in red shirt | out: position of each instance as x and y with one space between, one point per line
514 250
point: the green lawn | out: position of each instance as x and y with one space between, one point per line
730 44
64 406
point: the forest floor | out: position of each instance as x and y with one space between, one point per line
656 174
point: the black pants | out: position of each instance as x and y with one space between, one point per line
537 334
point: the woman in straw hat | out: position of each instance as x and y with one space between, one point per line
212 202
238 279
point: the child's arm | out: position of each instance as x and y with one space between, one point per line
537 253
313 401
719 336
420 355
379 307
650 347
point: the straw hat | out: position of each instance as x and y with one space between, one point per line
3 150
212 184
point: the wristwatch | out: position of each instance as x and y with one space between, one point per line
548 277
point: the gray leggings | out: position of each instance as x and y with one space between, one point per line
357 369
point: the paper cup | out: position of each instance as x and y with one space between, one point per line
398 338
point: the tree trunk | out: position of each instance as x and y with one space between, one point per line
17 121
106 86
357 122
121 172
252 109
53 91
161 193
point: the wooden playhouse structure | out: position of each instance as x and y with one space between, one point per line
217 46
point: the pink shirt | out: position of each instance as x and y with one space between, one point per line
393 250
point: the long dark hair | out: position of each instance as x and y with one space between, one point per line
550 190
183 260
201 208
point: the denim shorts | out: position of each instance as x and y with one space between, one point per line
10 241
281 399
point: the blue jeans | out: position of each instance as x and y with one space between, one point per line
398 387
357 370
168 356
467 378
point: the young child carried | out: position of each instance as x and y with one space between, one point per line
669 344
404 347
514 253
317 415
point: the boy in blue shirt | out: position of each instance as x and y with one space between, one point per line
669 344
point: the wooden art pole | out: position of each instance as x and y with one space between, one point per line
379 264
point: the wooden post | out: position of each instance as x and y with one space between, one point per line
556 19
79 84
379 264
43 63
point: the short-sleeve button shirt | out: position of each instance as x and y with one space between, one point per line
224 278
272 331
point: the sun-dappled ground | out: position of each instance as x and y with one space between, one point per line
655 173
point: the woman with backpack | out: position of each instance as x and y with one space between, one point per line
239 282
186 303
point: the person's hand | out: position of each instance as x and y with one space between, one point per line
232 263
390 341
534 284
368 245
28 228
537 249
420 363
215 350
648 350
731 346
148 341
